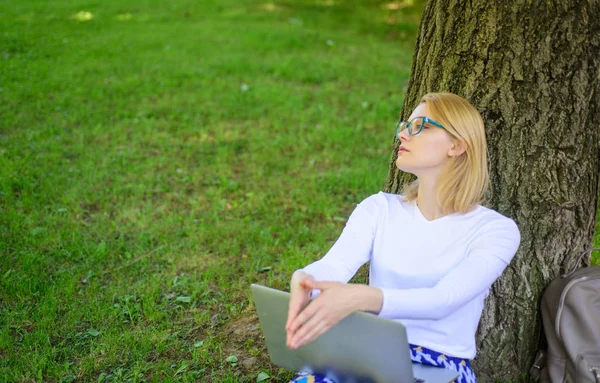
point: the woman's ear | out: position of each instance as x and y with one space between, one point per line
457 149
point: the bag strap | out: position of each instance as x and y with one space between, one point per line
588 251
596 372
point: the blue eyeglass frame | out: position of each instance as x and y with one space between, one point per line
408 125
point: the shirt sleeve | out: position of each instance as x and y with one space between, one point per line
353 247
487 257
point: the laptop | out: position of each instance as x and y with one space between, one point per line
361 348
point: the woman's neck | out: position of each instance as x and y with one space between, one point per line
427 200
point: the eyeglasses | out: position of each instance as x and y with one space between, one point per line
415 125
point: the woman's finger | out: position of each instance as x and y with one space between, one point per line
288 338
307 283
299 297
324 285
315 333
307 328
293 308
308 312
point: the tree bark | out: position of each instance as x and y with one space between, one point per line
532 68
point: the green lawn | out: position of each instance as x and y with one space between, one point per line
158 157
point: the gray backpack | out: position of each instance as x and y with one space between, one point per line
571 321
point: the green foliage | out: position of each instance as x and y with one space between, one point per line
158 157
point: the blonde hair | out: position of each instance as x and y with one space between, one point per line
465 178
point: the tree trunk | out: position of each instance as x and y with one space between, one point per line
532 68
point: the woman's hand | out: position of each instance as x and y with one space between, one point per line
299 296
336 301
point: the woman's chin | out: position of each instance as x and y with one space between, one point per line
406 169
401 165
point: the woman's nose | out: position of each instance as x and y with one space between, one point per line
403 135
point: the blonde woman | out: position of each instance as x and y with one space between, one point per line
434 250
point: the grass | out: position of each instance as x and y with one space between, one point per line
158 157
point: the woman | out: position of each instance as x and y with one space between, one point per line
434 250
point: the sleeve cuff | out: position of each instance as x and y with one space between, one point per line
389 306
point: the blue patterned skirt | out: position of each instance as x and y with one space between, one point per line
417 354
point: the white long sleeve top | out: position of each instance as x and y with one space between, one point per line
434 274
